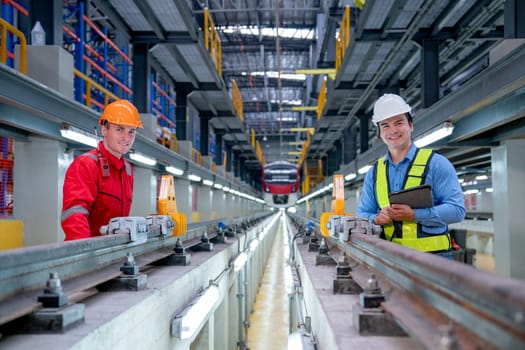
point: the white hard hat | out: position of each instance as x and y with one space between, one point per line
389 105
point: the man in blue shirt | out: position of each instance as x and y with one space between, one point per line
406 166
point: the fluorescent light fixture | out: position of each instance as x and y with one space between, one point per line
239 261
482 177
218 186
79 136
226 189
254 244
440 132
187 324
193 177
350 176
141 158
364 170
207 182
489 189
174 171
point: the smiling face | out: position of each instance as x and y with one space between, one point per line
396 132
118 139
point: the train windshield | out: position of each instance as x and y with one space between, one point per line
280 175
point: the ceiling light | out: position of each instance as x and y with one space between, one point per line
440 132
190 321
207 182
217 186
489 189
174 171
226 189
141 158
193 177
350 176
79 136
482 177
364 170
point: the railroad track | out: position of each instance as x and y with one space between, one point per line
83 266
438 302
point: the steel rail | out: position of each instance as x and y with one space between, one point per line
490 306
83 264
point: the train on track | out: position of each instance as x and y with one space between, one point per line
280 184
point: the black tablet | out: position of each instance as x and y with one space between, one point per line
415 197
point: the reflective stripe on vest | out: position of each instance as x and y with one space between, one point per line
409 233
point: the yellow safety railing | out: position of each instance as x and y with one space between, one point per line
258 152
108 95
321 100
304 150
212 41
6 27
252 133
343 39
237 100
313 175
196 156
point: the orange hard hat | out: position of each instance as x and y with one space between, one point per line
121 112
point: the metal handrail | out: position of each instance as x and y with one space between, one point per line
212 42
5 27
91 83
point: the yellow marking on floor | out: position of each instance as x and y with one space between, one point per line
269 322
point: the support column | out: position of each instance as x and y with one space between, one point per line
236 167
183 195
204 199
218 147
338 154
363 132
430 72
204 132
219 204
508 172
242 169
349 144
331 161
144 192
514 25
38 195
141 78
229 157
180 112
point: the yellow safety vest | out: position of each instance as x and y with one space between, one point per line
409 233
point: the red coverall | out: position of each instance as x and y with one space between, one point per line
90 199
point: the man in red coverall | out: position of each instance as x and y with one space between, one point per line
98 184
